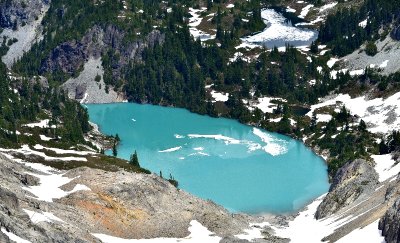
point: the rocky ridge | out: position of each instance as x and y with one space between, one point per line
121 204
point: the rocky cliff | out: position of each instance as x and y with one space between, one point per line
70 56
390 223
17 12
353 180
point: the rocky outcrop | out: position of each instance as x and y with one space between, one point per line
69 57
396 33
353 180
390 223
20 11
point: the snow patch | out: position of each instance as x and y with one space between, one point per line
323 117
37 217
217 96
305 11
327 6
198 233
265 104
44 138
13 237
381 115
369 233
385 166
278 29
363 23
332 62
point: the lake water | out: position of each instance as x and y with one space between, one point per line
239 167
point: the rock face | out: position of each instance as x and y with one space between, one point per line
349 184
390 223
70 56
19 11
396 33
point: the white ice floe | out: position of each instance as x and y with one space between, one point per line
198 234
369 233
37 217
217 96
305 11
63 151
199 154
381 115
274 145
277 29
385 166
170 149
226 139
13 237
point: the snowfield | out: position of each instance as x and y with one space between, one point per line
386 167
305 228
381 115
277 29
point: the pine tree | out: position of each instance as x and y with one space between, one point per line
134 160
114 150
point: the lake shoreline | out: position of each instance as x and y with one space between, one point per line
253 127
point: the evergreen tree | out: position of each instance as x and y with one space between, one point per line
114 150
134 160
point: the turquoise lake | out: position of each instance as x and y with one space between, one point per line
242 168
